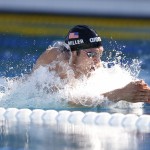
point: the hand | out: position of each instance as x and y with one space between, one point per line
136 92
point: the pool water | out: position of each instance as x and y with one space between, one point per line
17 58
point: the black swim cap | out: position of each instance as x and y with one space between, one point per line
82 37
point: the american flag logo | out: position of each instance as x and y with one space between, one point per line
73 35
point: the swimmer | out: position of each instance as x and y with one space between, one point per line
83 43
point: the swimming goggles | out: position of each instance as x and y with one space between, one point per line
93 54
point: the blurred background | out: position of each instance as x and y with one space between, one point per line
28 27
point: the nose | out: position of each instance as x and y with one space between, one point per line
96 61
96 58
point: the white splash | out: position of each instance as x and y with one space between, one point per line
44 89
101 81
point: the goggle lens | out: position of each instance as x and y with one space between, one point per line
91 54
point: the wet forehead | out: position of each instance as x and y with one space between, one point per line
93 49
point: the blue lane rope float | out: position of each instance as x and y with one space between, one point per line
39 116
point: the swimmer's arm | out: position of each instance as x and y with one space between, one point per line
46 58
133 92
114 95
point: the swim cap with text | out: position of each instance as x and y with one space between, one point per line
82 37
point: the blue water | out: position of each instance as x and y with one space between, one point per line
17 56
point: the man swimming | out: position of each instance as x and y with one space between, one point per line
83 43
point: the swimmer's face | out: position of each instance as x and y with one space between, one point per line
94 54
90 58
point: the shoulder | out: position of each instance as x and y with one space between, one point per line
52 51
50 54
47 56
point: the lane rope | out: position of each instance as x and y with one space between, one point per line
39 116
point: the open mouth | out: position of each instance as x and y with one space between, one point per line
92 68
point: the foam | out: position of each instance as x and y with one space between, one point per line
46 90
